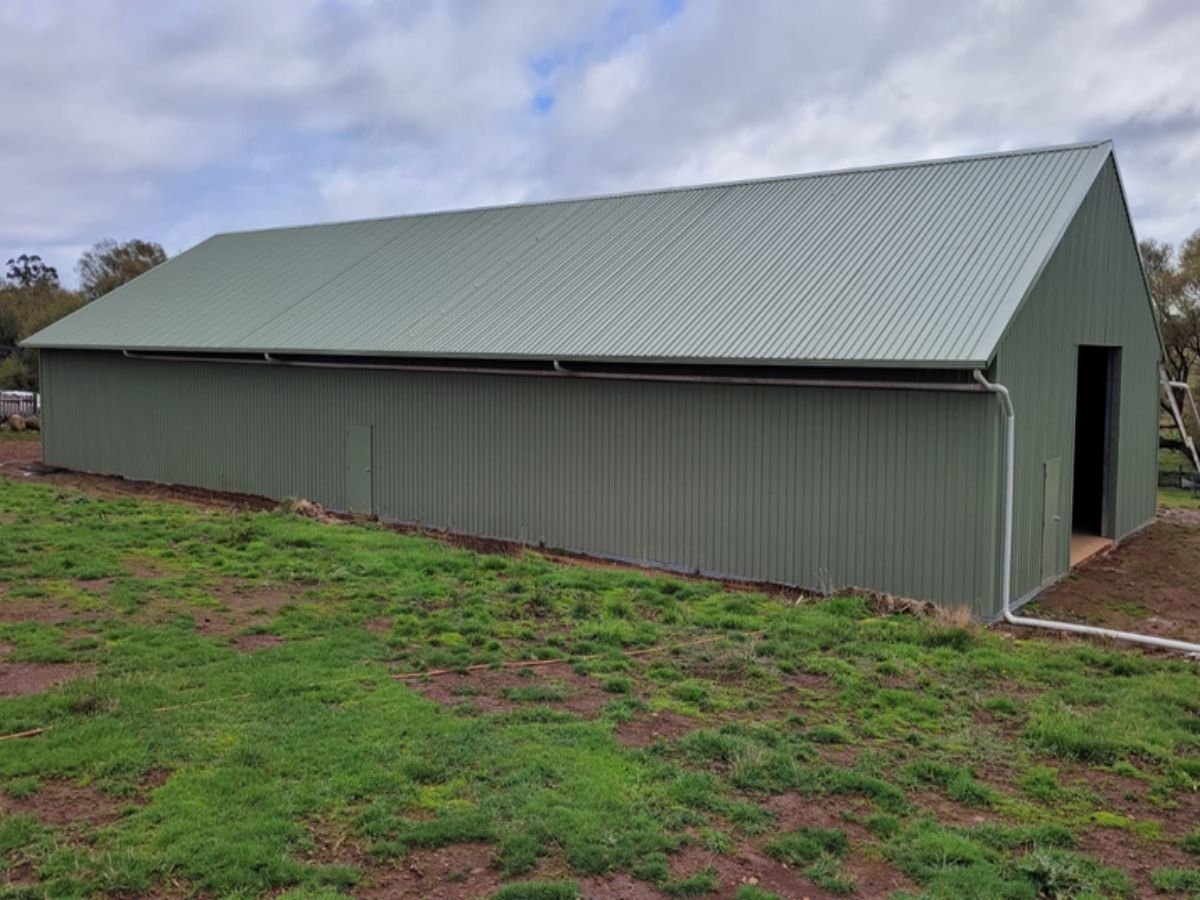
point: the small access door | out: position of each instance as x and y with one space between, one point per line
360 494
1051 519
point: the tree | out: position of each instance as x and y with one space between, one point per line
1174 280
30 299
28 271
10 328
108 265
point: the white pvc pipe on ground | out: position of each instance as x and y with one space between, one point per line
1005 398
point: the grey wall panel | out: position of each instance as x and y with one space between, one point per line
1091 292
890 490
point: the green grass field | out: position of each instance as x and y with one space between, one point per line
1177 498
229 725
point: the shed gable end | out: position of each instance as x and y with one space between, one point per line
1091 293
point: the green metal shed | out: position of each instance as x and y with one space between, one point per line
778 380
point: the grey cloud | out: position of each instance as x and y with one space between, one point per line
312 110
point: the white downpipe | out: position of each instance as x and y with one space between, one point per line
1006 576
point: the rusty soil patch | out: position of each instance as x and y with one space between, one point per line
146 570
21 679
240 609
97 586
378 625
1149 584
747 866
649 728
248 643
503 690
872 876
35 609
455 872
61 804
617 886
15 454
1135 856
1180 516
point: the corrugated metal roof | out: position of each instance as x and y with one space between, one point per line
917 264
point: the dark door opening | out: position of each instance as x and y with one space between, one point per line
1095 441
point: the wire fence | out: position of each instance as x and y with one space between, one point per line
1185 479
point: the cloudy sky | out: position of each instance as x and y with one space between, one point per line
174 120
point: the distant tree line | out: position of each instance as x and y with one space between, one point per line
31 297
1174 278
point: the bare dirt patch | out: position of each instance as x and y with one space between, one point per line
240 608
1180 516
35 609
950 812
648 728
1150 584
155 778
258 601
504 690
145 571
617 886
873 876
455 872
1135 856
842 755
14 454
807 681
378 625
61 804
19 679
97 586
248 643
746 866
1132 798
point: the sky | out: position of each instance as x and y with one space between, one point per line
171 121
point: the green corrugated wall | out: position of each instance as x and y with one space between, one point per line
1090 292
891 490
821 488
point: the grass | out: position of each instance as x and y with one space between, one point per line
1177 498
233 773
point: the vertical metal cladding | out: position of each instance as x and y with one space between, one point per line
890 490
1090 292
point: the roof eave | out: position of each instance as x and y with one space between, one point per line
946 364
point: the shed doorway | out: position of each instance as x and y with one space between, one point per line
1092 495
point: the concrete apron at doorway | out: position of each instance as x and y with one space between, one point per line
1084 546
